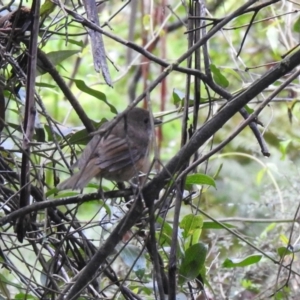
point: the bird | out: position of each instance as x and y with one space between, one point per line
117 155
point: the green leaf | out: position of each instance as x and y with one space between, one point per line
190 223
282 293
192 263
56 57
47 8
200 179
63 130
284 238
23 296
62 194
95 93
268 229
165 236
82 137
234 73
178 96
77 43
260 175
296 26
242 262
146 21
283 148
283 251
59 56
219 78
45 85
214 225
249 109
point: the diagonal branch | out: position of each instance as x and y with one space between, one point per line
49 67
176 66
152 189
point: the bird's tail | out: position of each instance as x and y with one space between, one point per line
80 179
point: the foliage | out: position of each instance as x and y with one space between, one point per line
217 217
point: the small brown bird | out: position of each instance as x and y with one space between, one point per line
119 156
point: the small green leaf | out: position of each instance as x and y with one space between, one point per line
165 235
282 293
179 97
166 232
219 78
147 21
249 109
73 134
283 148
23 296
284 239
95 93
268 229
80 137
242 262
260 175
233 72
192 263
176 97
56 57
246 283
77 43
62 194
59 56
214 225
200 179
62 130
190 223
296 26
47 8
283 251
45 85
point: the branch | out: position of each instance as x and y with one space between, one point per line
175 66
29 118
98 48
49 67
152 189
63 201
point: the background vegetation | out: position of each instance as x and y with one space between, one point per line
218 217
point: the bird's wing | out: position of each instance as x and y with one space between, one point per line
115 153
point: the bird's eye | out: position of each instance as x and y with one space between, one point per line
146 121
